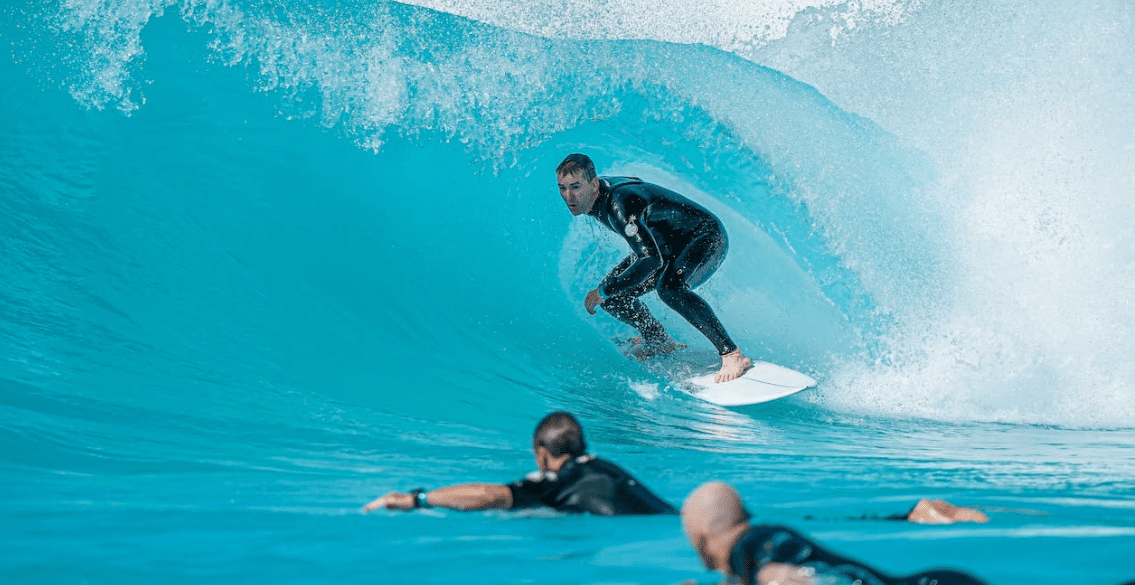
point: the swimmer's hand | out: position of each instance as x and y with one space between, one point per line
392 501
943 512
593 300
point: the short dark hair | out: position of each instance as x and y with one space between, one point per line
560 434
577 163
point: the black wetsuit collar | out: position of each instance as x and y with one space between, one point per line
742 567
598 209
606 186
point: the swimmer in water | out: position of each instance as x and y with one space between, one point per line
568 480
676 245
718 527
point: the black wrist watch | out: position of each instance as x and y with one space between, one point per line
421 498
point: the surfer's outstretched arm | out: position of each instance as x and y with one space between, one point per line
468 496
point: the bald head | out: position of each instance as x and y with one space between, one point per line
711 510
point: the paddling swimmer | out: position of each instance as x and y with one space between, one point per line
717 525
676 245
568 480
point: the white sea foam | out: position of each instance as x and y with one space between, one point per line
647 390
1026 111
732 26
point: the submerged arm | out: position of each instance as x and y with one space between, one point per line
943 512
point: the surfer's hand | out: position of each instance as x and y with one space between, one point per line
392 501
593 300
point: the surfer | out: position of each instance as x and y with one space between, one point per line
568 480
718 527
676 245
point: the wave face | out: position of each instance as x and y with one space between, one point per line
308 250
964 256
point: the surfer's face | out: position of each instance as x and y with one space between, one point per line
578 194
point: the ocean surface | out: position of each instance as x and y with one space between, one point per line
264 261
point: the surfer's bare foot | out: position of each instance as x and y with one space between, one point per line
644 350
733 364
942 512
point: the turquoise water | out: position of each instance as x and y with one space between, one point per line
260 263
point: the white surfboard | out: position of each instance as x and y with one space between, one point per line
763 382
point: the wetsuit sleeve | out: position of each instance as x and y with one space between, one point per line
527 493
617 270
629 219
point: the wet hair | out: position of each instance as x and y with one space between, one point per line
577 163
560 434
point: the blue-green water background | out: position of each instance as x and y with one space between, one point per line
262 262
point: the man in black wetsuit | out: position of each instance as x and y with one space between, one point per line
676 245
568 480
718 526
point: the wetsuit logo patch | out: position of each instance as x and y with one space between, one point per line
631 230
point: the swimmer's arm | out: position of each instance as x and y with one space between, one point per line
472 496
943 512
469 496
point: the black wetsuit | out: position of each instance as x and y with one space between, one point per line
676 245
764 544
588 484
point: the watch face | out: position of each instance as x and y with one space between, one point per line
632 229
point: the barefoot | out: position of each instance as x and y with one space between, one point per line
942 512
733 364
